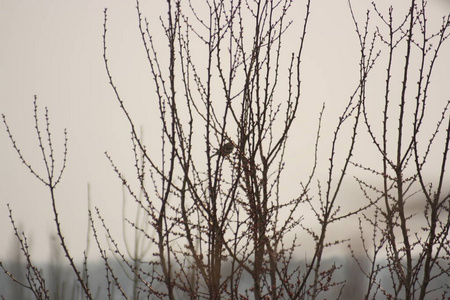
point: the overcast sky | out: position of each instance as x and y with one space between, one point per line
53 49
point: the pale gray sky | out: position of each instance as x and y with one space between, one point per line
54 49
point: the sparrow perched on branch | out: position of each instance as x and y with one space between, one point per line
225 150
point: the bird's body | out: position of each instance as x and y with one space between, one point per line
225 150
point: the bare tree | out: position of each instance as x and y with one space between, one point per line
216 214
411 223
51 178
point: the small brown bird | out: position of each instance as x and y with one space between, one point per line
225 150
